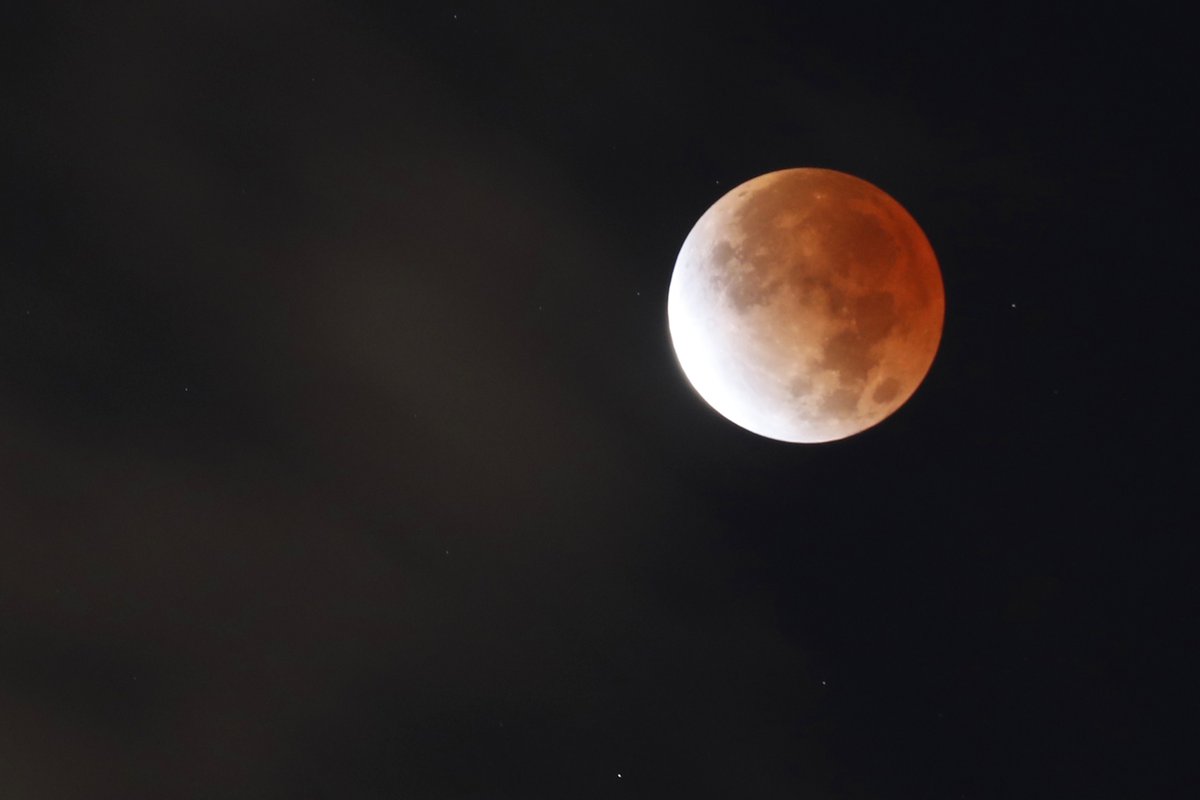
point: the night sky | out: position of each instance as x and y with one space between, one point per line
344 454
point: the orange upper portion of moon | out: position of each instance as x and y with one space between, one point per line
806 305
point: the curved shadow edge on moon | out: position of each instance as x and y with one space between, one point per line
806 305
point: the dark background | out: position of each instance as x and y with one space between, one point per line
343 453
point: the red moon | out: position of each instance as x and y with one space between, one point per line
806 305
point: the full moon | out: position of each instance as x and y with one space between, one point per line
806 305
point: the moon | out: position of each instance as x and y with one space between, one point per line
806 305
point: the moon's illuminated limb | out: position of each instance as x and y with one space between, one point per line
806 305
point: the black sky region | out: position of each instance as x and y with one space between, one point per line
344 453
